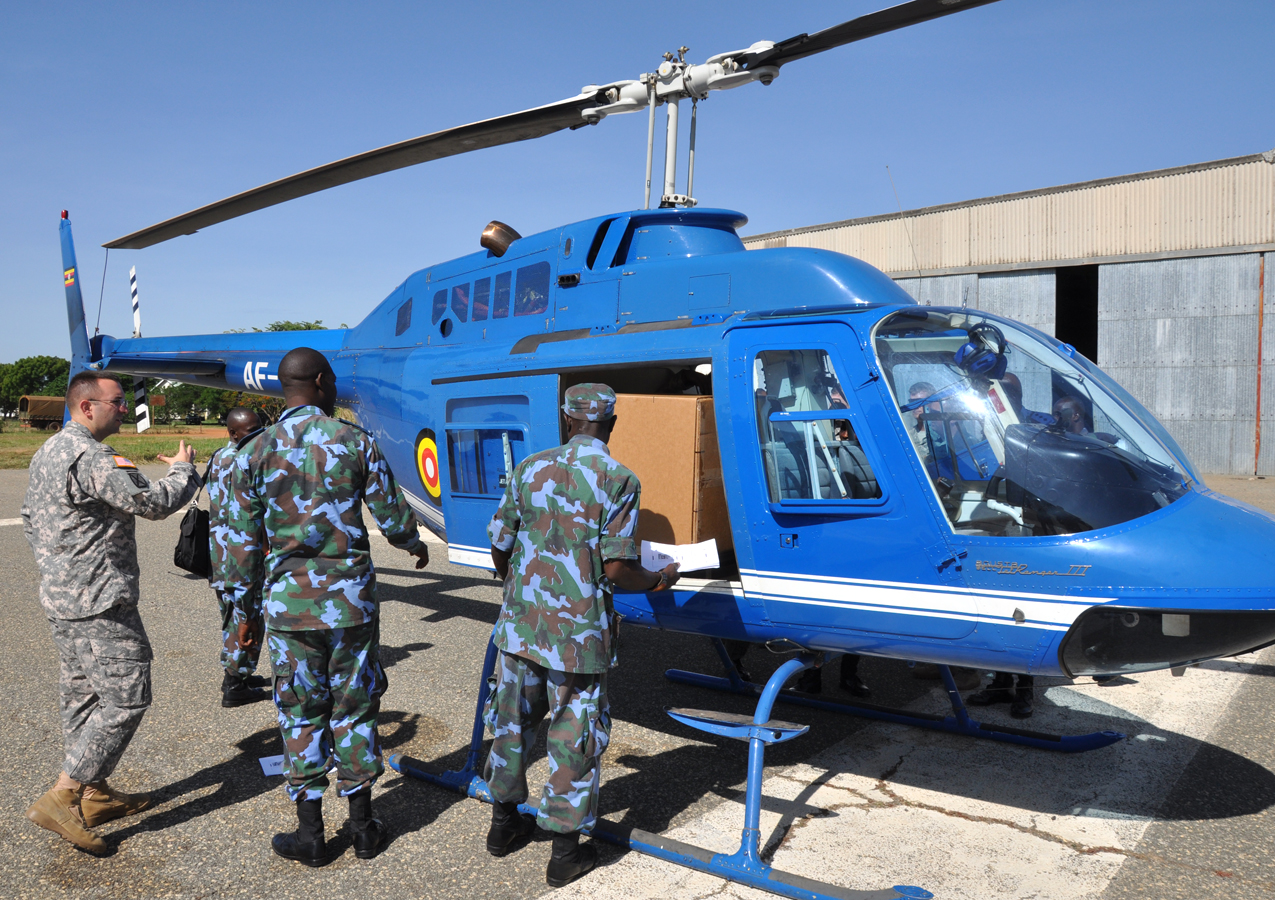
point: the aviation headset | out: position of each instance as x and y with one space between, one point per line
976 355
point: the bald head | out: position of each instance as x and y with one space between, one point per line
303 364
241 422
307 379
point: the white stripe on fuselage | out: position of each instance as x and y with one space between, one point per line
1050 611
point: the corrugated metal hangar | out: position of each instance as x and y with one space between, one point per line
1157 277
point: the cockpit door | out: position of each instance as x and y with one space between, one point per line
834 535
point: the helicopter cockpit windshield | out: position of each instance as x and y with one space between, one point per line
1016 437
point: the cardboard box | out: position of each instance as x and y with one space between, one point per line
670 443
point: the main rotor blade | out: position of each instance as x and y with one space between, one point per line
519 126
872 24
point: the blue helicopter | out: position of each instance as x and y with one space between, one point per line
882 478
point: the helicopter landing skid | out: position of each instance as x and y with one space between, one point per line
745 865
959 722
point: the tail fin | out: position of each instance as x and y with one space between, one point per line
74 302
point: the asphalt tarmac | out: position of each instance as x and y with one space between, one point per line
209 836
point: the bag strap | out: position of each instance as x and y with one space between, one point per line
194 501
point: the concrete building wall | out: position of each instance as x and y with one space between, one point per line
1181 336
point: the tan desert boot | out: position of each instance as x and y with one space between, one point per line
59 811
104 804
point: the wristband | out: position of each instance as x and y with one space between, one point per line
662 584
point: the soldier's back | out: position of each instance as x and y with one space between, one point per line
309 472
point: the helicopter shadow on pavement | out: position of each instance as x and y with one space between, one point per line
1129 779
441 595
239 779
657 787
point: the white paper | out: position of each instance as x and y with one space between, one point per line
690 557
271 765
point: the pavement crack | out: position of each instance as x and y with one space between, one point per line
894 801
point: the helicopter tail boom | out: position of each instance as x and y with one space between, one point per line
238 362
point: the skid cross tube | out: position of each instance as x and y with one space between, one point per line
744 866
959 722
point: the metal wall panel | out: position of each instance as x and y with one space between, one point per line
1181 336
1230 203
1266 460
944 290
1027 297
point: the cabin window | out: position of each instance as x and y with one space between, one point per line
809 446
482 297
1018 436
460 302
596 246
478 458
531 293
440 307
404 318
500 302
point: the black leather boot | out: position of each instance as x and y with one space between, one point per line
235 691
305 845
509 828
850 680
569 860
809 682
370 834
1001 690
1021 708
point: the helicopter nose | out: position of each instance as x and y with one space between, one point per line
1196 583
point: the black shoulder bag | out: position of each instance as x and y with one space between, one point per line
191 552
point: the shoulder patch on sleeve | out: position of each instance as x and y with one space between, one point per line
123 462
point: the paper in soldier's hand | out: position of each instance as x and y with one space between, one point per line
689 557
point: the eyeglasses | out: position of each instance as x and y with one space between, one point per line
120 403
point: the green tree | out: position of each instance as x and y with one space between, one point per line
287 325
37 375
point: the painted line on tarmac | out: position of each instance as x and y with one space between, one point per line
4 522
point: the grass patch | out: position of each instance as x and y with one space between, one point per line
18 446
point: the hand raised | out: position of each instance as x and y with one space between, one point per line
184 454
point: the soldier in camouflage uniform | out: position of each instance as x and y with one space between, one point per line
238 661
296 529
562 539
79 519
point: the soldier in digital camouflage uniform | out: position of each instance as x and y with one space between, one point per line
238 661
79 519
296 528
562 539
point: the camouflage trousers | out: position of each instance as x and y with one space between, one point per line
327 688
235 659
104 688
579 729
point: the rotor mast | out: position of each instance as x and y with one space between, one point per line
677 80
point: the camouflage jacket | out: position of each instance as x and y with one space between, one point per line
565 512
295 522
217 483
78 516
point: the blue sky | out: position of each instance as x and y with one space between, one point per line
127 114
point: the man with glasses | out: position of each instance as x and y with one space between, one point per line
82 498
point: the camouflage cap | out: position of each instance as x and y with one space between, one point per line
591 402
